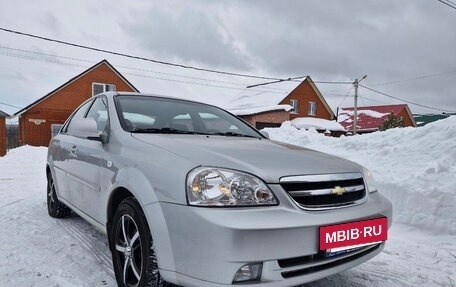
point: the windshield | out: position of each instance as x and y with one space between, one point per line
144 114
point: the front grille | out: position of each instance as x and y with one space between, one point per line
309 264
325 191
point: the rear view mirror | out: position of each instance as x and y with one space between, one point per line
84 128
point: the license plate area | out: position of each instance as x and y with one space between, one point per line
346 237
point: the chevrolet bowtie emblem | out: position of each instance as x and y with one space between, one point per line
338 190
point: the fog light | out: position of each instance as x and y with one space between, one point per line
248 272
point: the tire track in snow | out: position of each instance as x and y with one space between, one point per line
90 239
383 274
12 203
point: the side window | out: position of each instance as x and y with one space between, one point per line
99 112
294 104
312 109
98 88
79 114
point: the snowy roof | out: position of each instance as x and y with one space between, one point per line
317 123
3 114
370 117
262 98
257 110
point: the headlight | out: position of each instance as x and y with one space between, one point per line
208 186
369 181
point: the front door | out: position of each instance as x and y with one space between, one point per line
84 165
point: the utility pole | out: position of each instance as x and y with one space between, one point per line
355 106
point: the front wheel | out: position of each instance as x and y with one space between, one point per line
133 256
55 208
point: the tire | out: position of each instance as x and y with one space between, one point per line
56 208
133 257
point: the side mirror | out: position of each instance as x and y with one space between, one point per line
265 134
85 128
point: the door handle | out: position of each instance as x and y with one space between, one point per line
73 150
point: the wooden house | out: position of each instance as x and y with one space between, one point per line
38 120
271 105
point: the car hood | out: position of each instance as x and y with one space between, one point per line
270 160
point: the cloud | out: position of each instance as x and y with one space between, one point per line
50 22
190 34
331 40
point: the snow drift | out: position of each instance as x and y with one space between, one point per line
414 167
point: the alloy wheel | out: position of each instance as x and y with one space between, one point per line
128 245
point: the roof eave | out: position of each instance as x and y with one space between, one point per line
320 96
20 112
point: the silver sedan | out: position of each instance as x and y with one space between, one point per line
189 194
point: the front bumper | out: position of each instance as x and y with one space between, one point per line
206 246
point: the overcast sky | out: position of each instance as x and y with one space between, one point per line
406 48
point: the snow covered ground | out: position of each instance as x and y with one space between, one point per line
415 168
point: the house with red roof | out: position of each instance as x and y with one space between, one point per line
371 117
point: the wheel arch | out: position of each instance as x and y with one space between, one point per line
155 220
116 197
48 171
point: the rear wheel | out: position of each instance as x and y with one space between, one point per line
55 208
133 256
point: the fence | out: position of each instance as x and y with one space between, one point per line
12 136
34 137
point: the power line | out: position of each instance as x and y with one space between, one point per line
406 101
193 67
92 62
118 66
157 61
333 82
151 71
349 90
30 57
374 100
137 57
448 4
200 84
414 79
9 105
27 57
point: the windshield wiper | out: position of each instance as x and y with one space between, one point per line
164 131
233 134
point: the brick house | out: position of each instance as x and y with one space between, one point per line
38 120
3 117
270 106
370 117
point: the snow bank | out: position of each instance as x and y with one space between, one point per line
40 251
317 123
259 109
414 167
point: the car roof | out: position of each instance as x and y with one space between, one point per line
113 94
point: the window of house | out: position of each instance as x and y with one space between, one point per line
98 88
294 104
312 109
